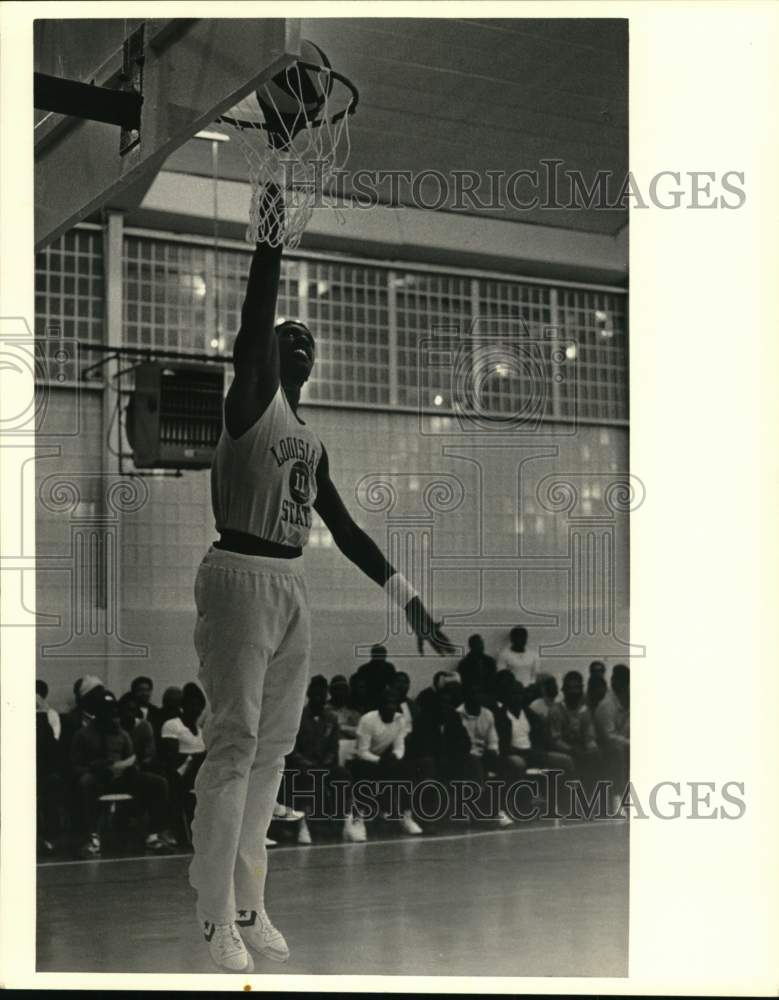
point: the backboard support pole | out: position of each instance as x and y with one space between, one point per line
113 248
83 100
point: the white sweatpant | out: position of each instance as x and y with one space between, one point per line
252 638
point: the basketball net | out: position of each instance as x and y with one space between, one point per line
297 153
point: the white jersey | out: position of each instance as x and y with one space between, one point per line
264 482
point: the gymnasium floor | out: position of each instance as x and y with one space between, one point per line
529 901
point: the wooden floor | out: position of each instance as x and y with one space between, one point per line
529 901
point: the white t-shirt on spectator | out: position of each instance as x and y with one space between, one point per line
174 729
520 730
41 705
524 666
481 729
374 736
54 721
541 708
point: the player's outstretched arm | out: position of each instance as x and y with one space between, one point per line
255 353
360 548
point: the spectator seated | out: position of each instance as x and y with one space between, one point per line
42 705
348 716
484 758
48 774
140 732
170 709
141 690
522 739
183 751
103 763
314 777
87 692
380 759
597 688
612 729
439 744
401 683
571 730
546 693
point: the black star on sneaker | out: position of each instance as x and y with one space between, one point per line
226 947
260 934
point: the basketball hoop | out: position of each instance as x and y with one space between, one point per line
294 134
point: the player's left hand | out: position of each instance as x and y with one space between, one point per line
427 630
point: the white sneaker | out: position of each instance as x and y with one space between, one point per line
409 824
260 934
270 843
503 819
91 849
227 949
304 834
156 845
354 830
286 813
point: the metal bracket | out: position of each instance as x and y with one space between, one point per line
131 80
115 105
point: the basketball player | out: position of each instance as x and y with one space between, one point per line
269 473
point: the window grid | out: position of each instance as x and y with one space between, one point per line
348 308
513 353
182 296
165 295
595 325
231 273
69 303
430 307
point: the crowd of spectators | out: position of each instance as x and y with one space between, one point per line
485 724
107 750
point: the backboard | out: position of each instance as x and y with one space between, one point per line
187 71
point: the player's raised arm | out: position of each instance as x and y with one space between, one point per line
360 549
255 353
